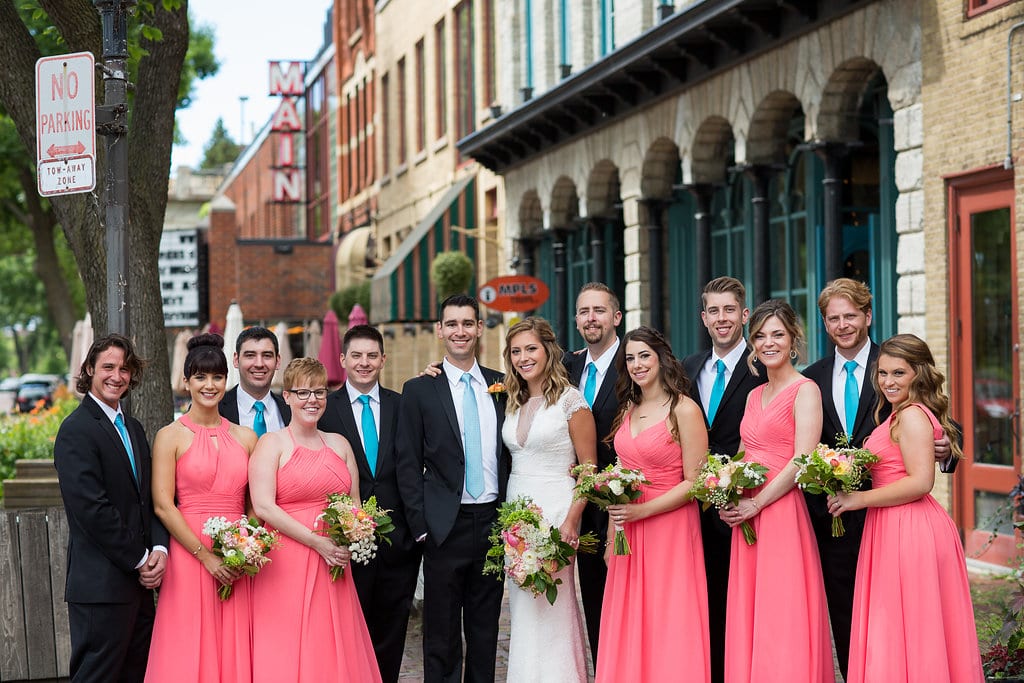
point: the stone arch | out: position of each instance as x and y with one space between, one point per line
531 215
602 188
565 202
767 137
660 169
712 147
841 99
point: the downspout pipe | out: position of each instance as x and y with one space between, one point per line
1008 161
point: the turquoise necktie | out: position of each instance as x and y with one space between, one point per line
119 423
471 439
851 396
717 390
590 388
370 442
259 423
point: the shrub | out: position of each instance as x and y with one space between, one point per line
452 273
342 301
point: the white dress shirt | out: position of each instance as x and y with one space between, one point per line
357 409
839 380
602 363
246 412
708 373
488 426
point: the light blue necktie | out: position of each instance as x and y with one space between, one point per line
471 439
851 396
259 423
370 442
590 388
717 390
119 423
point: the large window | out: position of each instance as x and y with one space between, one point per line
440 79
402 119
527 18
421 104
385 114
490 69
465 70
975 7
607 27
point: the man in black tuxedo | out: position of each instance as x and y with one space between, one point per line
844 378
117 548
452 473
724 366
597 316
366 414
251 403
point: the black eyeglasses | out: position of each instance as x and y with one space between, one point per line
303 394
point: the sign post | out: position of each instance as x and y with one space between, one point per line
65 124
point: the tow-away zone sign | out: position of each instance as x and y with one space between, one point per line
66 124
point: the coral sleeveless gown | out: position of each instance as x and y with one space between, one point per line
777 627
654 618
912 614
196 636
307 629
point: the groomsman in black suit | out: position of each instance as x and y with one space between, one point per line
366 414
848 408
251 403
720 383
597 316
452 473
117 548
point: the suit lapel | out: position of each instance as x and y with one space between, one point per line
348 424
866 404
607 391
115 438
388 423
739 375
444 395
829 412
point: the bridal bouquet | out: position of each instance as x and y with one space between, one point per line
242 544
831 470
529 550
722 481
355 526
614 485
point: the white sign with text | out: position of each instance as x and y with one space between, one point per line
66 124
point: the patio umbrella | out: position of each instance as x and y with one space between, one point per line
330 350
281 332
313 339
232 328
357 316
178 362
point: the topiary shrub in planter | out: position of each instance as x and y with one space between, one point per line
342 301
452 273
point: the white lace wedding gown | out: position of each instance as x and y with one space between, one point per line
546 641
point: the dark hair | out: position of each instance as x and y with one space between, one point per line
256 333
671 376
458 301
132 361
556 378
925 388
784 313
604 289
206 355
362 332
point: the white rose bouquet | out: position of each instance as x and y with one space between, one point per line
614 485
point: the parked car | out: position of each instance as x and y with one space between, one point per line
33 389
8 393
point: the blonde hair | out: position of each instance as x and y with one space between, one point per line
779 309
856 291
304 368
556 379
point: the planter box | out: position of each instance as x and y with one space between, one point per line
34 486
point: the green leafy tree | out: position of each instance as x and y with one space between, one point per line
161 72
221 149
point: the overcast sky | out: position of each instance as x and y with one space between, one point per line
248 35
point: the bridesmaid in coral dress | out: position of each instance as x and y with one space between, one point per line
654 620
777 627
306 628
912 614
200 466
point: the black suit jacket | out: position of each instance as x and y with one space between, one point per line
229 406
383 483
606 404
724 433
111 523
831 424
431 461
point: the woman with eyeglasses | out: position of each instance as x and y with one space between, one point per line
305 627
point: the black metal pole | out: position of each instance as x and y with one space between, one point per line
759 176
597 249
656 262
702 194
561 289
112 120
832 155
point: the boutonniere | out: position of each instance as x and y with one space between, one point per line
497 390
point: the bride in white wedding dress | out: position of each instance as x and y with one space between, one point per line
548 429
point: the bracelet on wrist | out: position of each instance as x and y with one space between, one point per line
195 553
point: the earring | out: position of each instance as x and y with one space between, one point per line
792 354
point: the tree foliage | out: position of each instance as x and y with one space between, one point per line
221 148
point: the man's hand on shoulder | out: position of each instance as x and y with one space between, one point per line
432 369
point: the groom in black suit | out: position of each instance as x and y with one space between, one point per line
724 314
452 473
117 548
385 585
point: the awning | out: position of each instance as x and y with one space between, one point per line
401 288
350 261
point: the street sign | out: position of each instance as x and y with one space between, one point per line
66 124
513 293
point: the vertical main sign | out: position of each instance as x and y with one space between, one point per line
287 81
65 124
